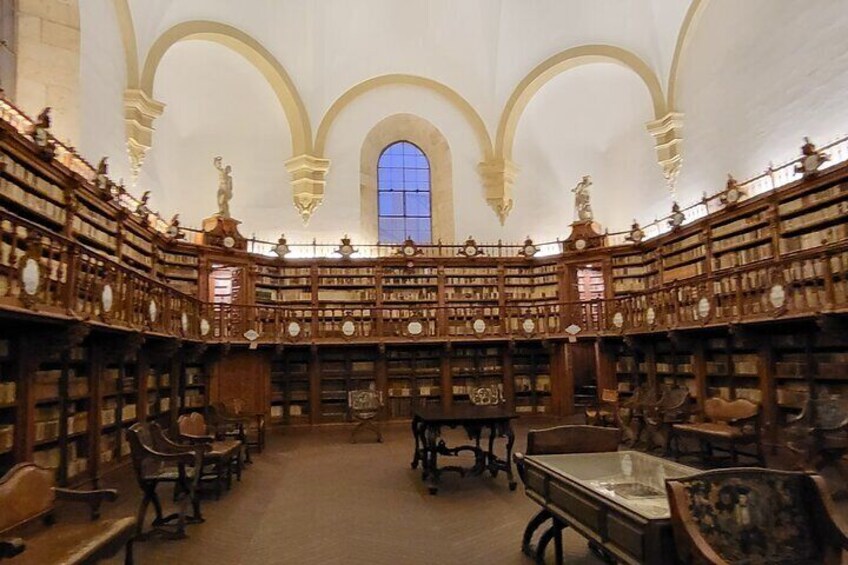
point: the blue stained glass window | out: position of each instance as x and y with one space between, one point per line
403 194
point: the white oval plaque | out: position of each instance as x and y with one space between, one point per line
704 307
348 328
479 325
152 310
293 328
777 296
30 276
618 320
528 325
184 322
204 326
107 298
414 327
650 315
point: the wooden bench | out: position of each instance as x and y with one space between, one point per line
727 422
29 534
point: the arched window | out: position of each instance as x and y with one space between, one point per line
403 193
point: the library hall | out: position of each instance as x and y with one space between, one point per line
382 282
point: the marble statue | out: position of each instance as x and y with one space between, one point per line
225 187
581 199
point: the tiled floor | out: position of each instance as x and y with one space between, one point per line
313 497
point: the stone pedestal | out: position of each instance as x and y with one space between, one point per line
584 235
223 232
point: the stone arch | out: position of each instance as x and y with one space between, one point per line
454 98
690 21
417 130
251 50
559 63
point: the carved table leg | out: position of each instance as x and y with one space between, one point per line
431 466
416 457
535 522
510 441
492 460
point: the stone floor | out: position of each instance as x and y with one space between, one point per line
313 497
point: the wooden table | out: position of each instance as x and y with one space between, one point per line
427 425
617 500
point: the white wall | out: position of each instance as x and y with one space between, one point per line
103 72
588 120
758 77
238 118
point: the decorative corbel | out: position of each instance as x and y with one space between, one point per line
666 133
498 176
140 111
308 176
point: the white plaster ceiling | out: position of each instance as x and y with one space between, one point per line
756 77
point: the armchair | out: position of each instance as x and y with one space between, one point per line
364 407
747 515
819 434
235 422
181 467
672 408
605 411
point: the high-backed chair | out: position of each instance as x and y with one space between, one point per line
153 467
235 422
28 527
364 406
222 457
604 412
819 434
672 408
749 515
557 440
631 413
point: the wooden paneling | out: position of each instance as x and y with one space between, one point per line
243 374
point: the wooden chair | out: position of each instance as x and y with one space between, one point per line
731 423
672 408
220 458
180 467
819 434
749 515
28 524
364 406
235 422
550 441
604 412
631 413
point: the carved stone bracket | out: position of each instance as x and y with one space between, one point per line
140 111
195 352
164 351
53 346
498 176
125 348
308 175
666 132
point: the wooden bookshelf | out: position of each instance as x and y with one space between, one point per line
290 398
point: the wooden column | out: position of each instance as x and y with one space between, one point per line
382 377
446 378
562 379
768 389
699 368
605 366
314 385
508 374
651 363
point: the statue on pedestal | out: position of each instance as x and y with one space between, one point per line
225 187
581 199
